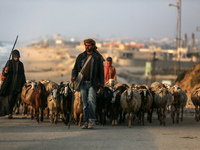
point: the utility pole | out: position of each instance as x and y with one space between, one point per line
178 35
153 74
180 41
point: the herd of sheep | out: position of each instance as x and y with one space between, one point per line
117 102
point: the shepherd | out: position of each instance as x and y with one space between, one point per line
93 79
14 79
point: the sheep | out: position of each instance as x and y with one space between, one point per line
161 101
170 96
130 103
179 102
146 102
195 97
155 84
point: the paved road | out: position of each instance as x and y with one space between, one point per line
25 134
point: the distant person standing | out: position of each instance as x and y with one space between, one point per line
93 80
14 79
109 70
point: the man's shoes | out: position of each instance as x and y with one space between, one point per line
10 116
85 126
91 125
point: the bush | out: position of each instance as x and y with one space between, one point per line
180 77
195 78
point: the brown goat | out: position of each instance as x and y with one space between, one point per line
53 101
26 93
39 100
78 108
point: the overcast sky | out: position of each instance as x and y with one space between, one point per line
31 19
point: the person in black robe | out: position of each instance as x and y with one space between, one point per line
12 84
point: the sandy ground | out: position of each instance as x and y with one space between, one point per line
56 64
23 133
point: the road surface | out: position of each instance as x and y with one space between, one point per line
25 134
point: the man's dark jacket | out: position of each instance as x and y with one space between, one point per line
96 70
15 78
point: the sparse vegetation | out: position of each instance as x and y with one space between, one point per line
180 77
195 78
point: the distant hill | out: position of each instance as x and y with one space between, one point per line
189 80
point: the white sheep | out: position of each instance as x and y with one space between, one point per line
179 102
130 103
162 99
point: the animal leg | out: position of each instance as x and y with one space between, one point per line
66 118
168 109
149 117
17 104
56 118
172 113
101 118
182 113
120 117
124 117
142 118
51 115
178 112
159 115
130 120
196 113
164 116
128 114
31 110
75 117
199 114
104 119
61 110
42 115
116 117
23 110
80 119
37 115
47 112
112 118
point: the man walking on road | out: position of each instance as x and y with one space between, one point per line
93 80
